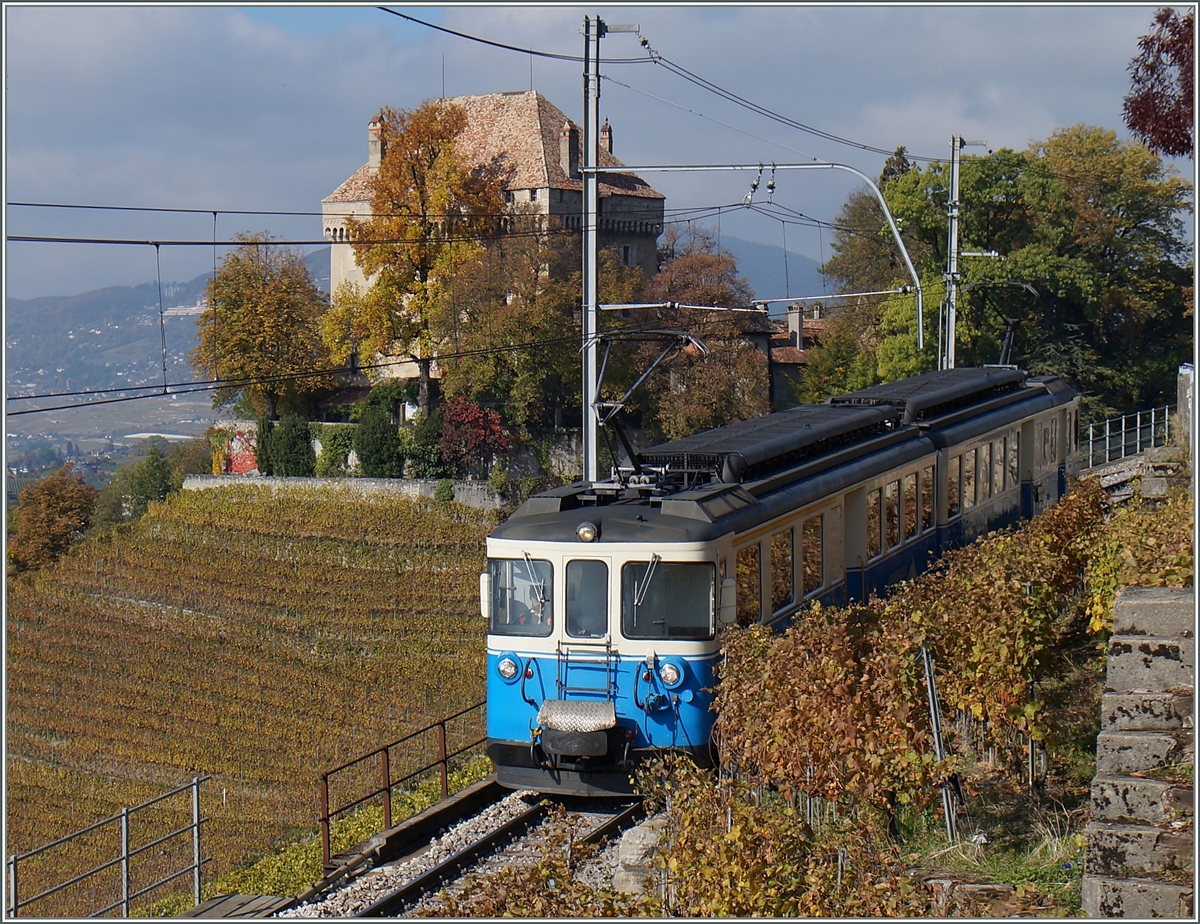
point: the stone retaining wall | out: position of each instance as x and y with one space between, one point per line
473 493
1139 859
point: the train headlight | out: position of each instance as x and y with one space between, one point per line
587 532
670 673
507 668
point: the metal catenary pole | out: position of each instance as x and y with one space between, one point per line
594 28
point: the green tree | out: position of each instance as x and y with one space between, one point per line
419 444
149 480
193 457
263 325
291 448
377 445
430 210
51 515
1090 223
263 445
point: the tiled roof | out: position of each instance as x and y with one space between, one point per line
522 130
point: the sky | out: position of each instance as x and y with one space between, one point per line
266 108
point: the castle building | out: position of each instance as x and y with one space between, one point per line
542 150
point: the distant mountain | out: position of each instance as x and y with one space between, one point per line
763 267
109 337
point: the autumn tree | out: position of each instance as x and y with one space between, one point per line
1159 107
470 434
51 515
430 210
261 330
727 382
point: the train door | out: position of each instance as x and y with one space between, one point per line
585 663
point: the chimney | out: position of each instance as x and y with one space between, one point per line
375 143
568 149
606 136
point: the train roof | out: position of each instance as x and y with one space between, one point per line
722 473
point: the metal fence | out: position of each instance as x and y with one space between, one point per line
117 872
404 761
1114 439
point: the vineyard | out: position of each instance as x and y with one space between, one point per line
255 635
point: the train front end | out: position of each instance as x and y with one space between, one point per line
602 644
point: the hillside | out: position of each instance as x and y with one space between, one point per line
254 636
108 337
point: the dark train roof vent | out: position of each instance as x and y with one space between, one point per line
934 394
754 448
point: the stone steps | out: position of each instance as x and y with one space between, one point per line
1140 841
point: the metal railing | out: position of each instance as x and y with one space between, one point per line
1113 439
467 731
123 860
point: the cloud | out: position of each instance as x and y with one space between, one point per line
222 108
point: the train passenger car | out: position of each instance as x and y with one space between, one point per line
604 601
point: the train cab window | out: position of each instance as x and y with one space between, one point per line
749 586
910 505
985 472
522 596
587 599
873 524
954 487
891 507
783 569
1014 470
968 479
661 599
928 520
998 466
812 541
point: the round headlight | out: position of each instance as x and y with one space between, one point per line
507 668
587 532
669 673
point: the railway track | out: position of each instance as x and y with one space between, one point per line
509 831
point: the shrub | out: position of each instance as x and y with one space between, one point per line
498 479
336 443
262 446
444 492
291 448
420 445
377 445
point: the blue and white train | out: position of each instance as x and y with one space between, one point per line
605 601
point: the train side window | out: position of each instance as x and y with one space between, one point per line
587 599
953 487
910 505
891 504
1045 444
928 520
1014 469
783 568
812 540
749 585
985 472
873 503
968 479
1054 440
998 466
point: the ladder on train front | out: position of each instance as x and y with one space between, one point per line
585 670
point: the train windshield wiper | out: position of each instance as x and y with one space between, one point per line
639 589
538 585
